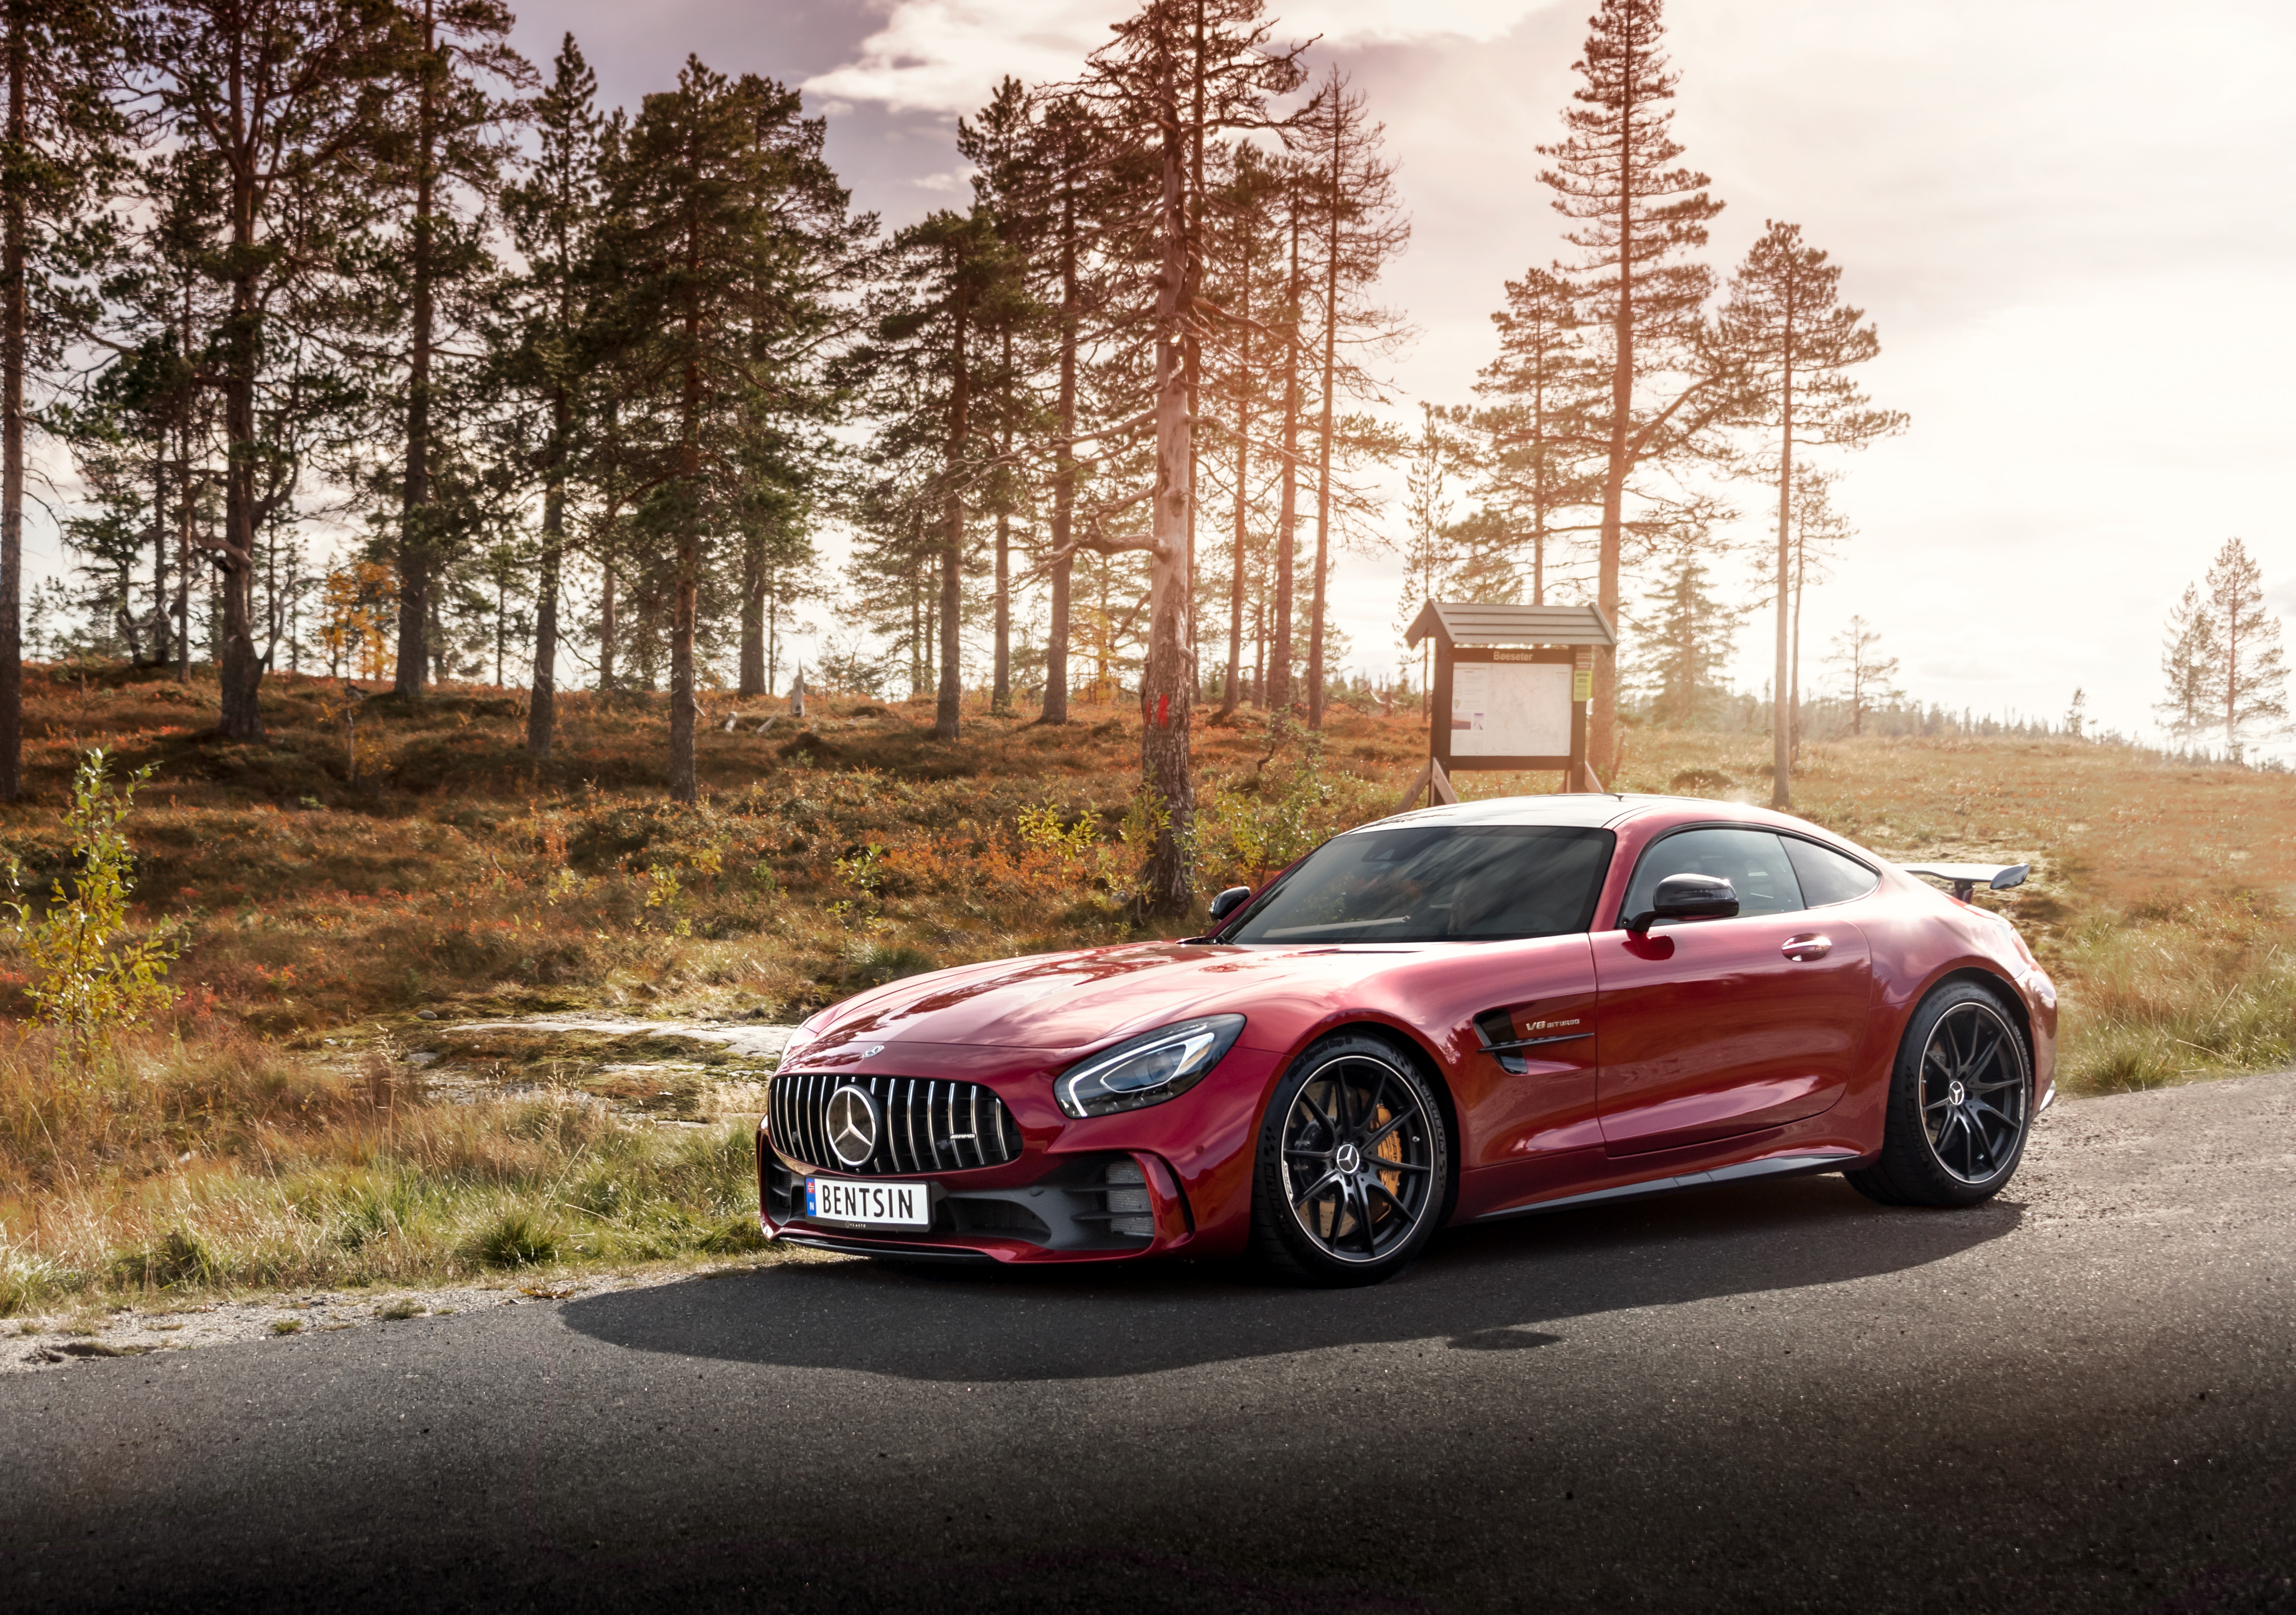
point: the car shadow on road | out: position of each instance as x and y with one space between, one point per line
1497 1287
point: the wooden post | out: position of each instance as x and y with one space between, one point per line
1432 780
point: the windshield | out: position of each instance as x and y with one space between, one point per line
1436 883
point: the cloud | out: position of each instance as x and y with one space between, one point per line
947 55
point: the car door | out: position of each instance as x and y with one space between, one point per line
1707 1028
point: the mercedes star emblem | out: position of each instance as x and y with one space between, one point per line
853 1125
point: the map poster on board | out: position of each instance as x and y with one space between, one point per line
1510 709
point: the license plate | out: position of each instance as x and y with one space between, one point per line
838 1199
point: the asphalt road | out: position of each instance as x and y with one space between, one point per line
2082 1398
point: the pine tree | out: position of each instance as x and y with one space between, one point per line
688 193
1074 152
284 97
816 252
1794 341
2251 683
552 216
1430 558
1686 631
1819 530
1635 217
2190 660
1245 247
1536 460
1361 226
1869 679
58 144
1177 71
442 150
1004 144
923 367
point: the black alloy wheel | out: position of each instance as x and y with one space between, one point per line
1961 1102
1974 1091
1353 1164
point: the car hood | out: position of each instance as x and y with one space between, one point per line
1073 1002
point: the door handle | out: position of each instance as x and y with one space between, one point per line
1801 950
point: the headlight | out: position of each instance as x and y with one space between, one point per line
1147 1070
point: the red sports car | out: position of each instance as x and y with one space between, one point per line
1473 1012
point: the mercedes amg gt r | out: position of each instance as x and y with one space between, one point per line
1473 1012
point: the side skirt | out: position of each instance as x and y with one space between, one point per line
1781 1166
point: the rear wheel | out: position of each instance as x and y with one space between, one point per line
1352 1166
1960 1104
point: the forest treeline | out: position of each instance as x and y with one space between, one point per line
586 383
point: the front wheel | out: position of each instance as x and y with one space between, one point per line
1961 1104
1353 1165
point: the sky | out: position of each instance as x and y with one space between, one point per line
2068 223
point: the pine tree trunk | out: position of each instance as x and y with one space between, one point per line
1793 711
1000 690
239 673
1234 691
1056 638
183 512
413 541
1279 649
1166 684
606 626
1316 679
1781 728
12 323
948 718
683 785
542 705
753 613
162 652
1602 711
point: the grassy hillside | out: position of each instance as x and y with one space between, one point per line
343 914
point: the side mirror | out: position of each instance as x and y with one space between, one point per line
1229 901
1688 897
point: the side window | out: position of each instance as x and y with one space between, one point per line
1751 860
1826 876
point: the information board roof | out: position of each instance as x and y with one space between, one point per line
1461 623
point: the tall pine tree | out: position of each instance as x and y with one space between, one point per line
1635 218
58 142
1794 341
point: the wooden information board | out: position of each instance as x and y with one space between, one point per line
1502 706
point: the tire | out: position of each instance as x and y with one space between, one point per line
1322 1212
1960 1104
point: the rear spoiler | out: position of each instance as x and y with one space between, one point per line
1966 878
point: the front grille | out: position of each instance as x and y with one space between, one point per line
928 1125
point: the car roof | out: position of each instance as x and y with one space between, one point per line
1580 810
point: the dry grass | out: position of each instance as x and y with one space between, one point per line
234 1148
461 872
228 1165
